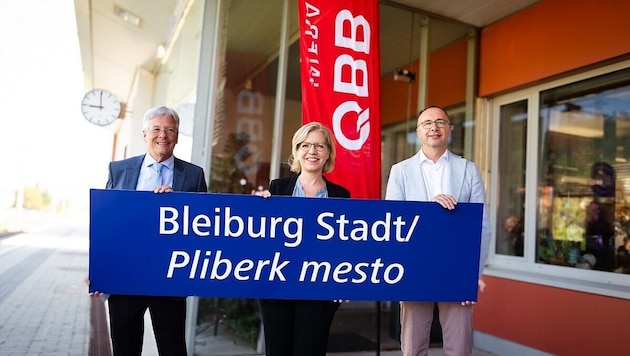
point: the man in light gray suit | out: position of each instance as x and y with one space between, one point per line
436 174
168 314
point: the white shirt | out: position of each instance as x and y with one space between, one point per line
436 175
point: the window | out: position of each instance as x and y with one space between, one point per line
512 152
576 216
243 128
584 174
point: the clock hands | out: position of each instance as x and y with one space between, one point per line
100 102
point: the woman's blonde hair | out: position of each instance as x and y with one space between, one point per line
298 138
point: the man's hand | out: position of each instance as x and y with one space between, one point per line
163 189
93 294
482 286
447 201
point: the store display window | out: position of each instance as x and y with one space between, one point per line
577 212
584 173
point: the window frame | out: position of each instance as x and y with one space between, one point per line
525 268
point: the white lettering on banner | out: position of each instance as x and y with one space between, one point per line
225 223
355 23
312 32
357 84
233 225
363 125
352 87
341 270
379 231
249 107
222 268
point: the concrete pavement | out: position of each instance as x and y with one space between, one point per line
44 309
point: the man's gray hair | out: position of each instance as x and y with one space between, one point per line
157 112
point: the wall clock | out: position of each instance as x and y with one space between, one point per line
100 107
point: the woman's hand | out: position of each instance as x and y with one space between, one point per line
262 193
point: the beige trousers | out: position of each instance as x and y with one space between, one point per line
415 322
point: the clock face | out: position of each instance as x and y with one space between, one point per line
100 107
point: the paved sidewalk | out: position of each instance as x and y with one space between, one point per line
43 303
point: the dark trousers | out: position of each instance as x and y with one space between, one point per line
297 327
168 316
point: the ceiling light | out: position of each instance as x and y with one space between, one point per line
161 51
127 16
404 75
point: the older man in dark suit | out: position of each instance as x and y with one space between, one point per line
158 171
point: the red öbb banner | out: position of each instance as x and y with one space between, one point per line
340 68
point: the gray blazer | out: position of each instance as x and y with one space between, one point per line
406 182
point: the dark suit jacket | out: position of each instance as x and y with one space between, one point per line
187 177
169 313
285 186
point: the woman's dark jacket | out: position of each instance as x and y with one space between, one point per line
285 186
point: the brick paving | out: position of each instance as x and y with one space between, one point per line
43 301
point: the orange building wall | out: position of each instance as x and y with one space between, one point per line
447 75
446 87
551 37
553 320
394 96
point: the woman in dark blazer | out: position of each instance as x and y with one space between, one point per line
301 327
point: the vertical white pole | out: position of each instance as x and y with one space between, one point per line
203 124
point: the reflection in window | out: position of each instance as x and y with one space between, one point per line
584 174
462 131
176 80
244 124
512 151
